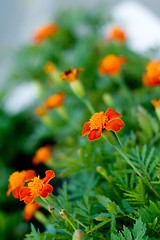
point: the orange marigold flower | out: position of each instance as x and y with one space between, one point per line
117 34
71 74
30 209
111 64
37 187
152 77
55 101
42 155
100 121
17 180
49 67
156 103
44 32
40 111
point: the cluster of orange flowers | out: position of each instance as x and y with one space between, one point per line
25 185
110 65
56 100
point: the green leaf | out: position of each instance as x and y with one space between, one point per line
102 218
112 208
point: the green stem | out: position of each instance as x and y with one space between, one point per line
112 138
88 105
113 226
121 151
69 221
80 223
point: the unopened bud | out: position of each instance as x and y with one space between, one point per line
102 171
50 209
78 235
63 214
108 100
78 88
111 137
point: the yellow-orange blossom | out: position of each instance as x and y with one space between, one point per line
100 121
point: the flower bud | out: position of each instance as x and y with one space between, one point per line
78 235
63 214
111 137
50 209
78 88
108 100
102 171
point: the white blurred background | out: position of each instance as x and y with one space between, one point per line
19 18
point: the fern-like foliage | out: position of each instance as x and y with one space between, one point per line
137 233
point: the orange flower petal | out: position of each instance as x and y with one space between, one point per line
16 192
9 190
46 190
49 175
30 209
115 125
94 134
86 128
29 199
29 175
112 114
25 191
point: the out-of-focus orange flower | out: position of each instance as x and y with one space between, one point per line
50 67
44 32
37 188
42 155
40 111
55 101
117 34
100 121
17 180
111 64
156 103
30 209
71 74
152 77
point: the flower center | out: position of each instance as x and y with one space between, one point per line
36 186
98 121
